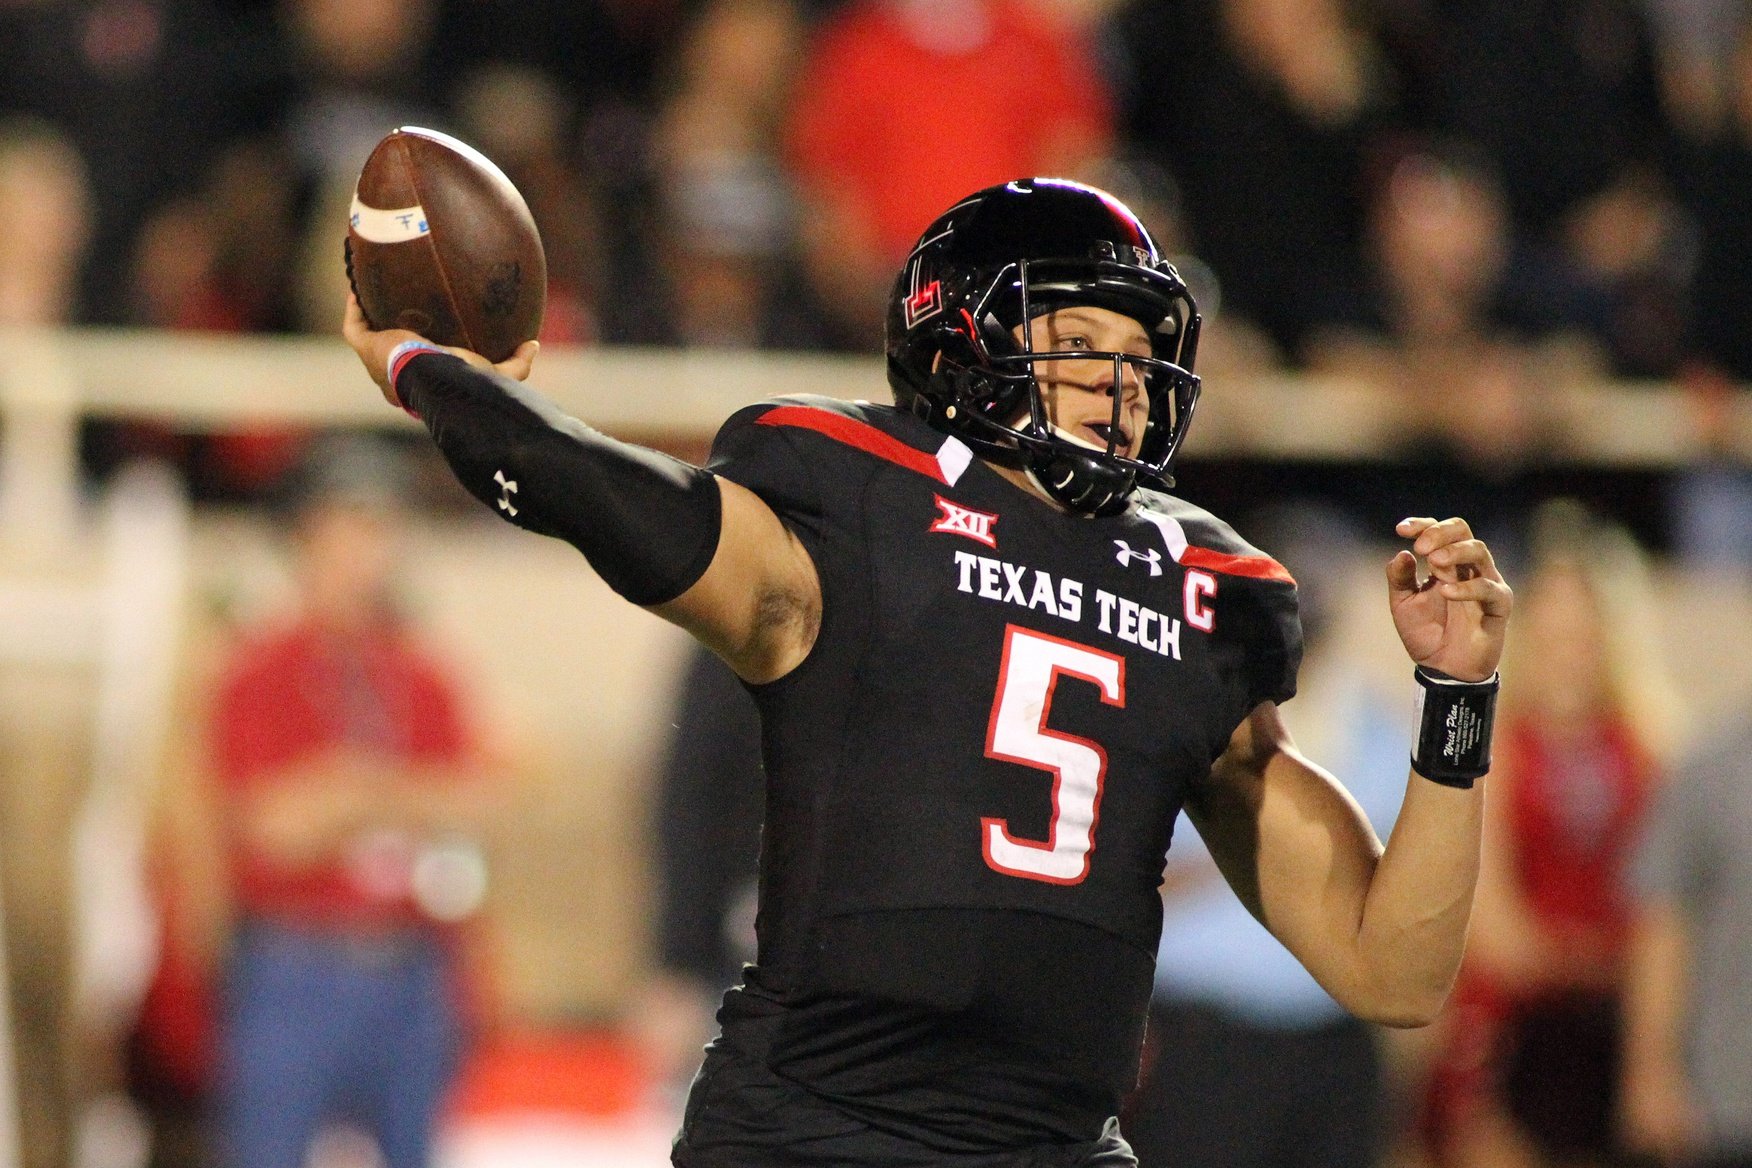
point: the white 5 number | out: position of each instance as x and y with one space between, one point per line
1033 664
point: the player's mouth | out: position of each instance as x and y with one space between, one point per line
1119 438
1096 436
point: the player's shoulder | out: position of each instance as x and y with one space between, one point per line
1200 539
825 427
822 414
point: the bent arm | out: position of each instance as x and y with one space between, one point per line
310 812
1381 929
700 551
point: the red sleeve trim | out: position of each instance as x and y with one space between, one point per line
1256 567
854 433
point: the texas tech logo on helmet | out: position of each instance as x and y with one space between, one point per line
924 301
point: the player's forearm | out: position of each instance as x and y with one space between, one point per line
1412 934
647 523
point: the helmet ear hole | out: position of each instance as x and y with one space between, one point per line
957 347
996 337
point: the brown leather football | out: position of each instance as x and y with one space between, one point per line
441 243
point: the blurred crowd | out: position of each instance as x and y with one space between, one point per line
1459 198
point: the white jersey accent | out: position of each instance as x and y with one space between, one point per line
953 459
1173 535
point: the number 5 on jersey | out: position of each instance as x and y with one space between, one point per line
1032 666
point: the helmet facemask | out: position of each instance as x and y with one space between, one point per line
991 385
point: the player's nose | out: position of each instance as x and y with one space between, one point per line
1126 376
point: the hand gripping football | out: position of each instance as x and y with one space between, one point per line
441 243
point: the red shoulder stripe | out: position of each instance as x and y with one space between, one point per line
858 434
1257 567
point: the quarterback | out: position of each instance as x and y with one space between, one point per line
994 658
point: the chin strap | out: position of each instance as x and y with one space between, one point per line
1080 483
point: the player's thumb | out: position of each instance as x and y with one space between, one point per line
518 365
1402 572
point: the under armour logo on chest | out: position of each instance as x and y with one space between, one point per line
1149 556
507 488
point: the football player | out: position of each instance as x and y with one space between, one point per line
994 658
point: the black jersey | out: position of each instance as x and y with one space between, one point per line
973 777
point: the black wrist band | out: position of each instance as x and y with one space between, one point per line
1454 725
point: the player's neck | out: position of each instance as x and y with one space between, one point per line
1021 479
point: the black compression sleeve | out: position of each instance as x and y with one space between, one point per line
648 523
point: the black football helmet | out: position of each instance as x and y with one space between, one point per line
1001 258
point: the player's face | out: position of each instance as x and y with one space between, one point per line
1078 395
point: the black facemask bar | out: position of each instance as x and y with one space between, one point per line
1170 389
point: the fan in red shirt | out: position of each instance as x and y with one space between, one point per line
1525 1073
351 791
906 105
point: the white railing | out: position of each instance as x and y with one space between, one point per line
203 381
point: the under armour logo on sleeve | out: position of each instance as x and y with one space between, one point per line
507 488
1149 556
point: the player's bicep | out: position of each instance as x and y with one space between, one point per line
758 605
1290 840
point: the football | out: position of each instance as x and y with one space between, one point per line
440 242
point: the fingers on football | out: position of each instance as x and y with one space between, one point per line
518 364
353 319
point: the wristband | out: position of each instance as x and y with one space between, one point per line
398 359
1454 725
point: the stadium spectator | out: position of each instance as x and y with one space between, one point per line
705 834
1583 165
1469 330
725 216
353 71
905 105
45 224
46 219
1579 75
1437 270
1632 250
352 790
1715 174
1265 112
1696 43
1526 1074
607 56
148 91
520 118
219 258
1685 1093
